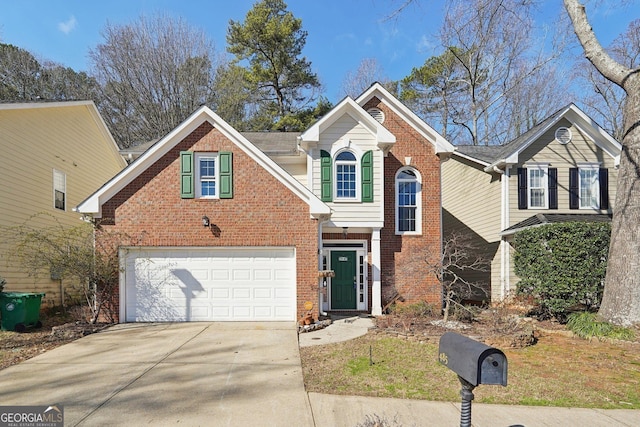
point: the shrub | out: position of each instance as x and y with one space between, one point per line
586 325
563 266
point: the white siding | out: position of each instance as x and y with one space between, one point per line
348 129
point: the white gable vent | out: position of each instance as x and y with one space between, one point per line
563 135
377 114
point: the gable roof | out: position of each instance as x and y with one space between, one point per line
440 144
384 138
492 157
93 204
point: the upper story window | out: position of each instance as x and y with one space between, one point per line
408 202
207 173
346 176
59 190
589 187
537 187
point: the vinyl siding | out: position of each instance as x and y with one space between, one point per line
34 142
471 200
563 157
346 128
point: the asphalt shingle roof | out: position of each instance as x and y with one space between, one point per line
547 218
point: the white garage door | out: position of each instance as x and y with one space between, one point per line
208 284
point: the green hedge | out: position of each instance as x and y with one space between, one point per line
563 266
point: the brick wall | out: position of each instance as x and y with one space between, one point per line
263 212
404 258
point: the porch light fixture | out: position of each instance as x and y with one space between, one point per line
345 231
205 221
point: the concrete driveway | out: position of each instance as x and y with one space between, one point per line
209 374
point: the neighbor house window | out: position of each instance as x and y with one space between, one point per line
346 178
207 173
59 190
408 207
537 187
589 187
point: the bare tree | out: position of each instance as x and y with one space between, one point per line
369 71
494 55
460 258
621 299
153 72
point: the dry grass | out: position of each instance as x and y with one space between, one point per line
557 371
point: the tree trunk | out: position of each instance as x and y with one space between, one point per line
621 300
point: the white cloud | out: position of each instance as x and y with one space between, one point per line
68 26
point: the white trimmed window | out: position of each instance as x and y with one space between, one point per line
59 190
207 175
589 186
538 187
346 167
408 202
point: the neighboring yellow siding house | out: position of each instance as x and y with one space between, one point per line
52 156
563 169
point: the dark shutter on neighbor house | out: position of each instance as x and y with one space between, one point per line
325 176
553 188
226 174
574 189
187 185
522 188
604 188
367 176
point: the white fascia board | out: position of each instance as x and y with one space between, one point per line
350 107
597 134
94 203
440 144
40 105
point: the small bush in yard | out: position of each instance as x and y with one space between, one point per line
586 325
562 266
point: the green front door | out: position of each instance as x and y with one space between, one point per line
343 284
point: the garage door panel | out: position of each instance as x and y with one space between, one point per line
215 284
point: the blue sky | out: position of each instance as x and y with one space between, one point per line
341 32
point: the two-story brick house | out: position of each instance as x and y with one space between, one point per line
268 226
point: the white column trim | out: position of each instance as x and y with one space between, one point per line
376 288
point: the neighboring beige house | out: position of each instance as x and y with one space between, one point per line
563 169
52 156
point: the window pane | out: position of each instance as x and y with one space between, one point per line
589 188
538 188
347 156
208 188
407 219
207 167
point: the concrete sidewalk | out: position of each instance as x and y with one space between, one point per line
350 411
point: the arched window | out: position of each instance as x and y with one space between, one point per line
408 202
346 175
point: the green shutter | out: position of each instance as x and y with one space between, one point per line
325 176
226 174
367 176
187 187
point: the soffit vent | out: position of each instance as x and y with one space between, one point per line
377 114
563 135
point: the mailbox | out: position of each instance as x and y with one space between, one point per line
473 361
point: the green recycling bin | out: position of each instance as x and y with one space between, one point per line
20 310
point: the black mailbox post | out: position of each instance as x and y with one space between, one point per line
475 363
